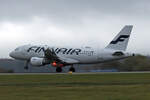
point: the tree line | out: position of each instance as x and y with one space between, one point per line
136 63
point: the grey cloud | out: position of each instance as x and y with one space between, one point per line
71 9
81 21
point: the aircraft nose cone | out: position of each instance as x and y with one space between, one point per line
12 54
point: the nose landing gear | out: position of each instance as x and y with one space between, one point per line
59 69
26 65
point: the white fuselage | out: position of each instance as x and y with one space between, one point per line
84 55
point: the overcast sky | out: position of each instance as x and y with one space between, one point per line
73 23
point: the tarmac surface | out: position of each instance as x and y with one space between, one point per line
74 73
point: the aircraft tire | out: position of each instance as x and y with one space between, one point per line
58 69
72 69
26 67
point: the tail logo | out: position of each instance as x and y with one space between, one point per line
121 38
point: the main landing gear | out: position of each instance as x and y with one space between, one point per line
59 69
72 69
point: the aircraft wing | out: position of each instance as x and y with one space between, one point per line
51 55
68 60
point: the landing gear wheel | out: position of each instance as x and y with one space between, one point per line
58 69
26 67
72 69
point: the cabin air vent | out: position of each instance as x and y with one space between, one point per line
118 53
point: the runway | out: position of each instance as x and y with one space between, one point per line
100 85
74 73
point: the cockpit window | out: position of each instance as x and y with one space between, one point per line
16 49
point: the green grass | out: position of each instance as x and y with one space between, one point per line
123 86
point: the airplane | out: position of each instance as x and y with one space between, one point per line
59 57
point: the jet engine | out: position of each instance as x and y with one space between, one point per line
36 61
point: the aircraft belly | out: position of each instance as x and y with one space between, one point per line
87 59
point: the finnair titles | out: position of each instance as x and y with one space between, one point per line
67 51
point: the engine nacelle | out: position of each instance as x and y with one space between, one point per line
36 61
